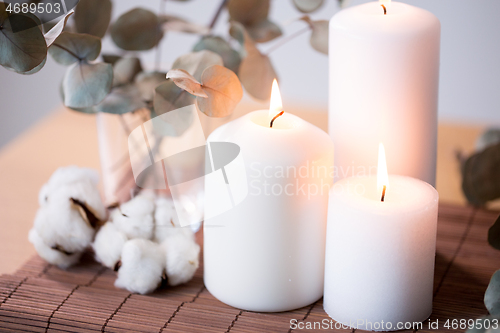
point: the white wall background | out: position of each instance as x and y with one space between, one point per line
470 61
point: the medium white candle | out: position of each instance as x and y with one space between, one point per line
380 255
267 253
384 88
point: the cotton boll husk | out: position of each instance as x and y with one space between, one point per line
50 255
142 267
181 258
135 217
108 245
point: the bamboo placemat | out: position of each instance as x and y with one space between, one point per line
42 298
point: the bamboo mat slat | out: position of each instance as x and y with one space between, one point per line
43 298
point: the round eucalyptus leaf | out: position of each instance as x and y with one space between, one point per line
490 137
196 62
248 12
93 16
175 23
22 44
147 82
308 6
256 70
36 69
230 57
223 90
70 47
136 30
85 84
494 234
480 176
169 97
125 70
492 295
319 34
110 58
264 31
122 100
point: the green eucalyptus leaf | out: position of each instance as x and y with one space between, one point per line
481 176
147 82
308 6
264 31
70 47
169 97
196 62
122 100
256 71
36 69
86 85
25 49
136 30
230 57
110 58
248 12
492 295
92 17
494 234
490 137
319 34
223 90
125 70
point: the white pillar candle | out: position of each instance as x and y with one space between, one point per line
384 88
380 256
267 253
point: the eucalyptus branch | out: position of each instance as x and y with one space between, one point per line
163 4
286 39
217 14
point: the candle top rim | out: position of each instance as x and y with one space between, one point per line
405 194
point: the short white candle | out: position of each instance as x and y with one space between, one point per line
380 255
267 253
384 88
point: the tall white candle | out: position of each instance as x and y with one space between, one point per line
384 88
380 256
267 253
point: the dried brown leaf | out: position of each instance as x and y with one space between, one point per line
223 90
248 12
186 81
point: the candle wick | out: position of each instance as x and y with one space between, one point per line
272 121
385 13
383 194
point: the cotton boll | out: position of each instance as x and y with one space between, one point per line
142 266
108 245
181 258
135 218
166 221
60 223
51 255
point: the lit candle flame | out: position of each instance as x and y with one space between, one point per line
382 176
276 106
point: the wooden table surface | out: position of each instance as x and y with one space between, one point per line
70 138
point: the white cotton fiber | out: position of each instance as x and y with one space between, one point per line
50 255
108 245
142 266
181 258
61 222
166 221
135 217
